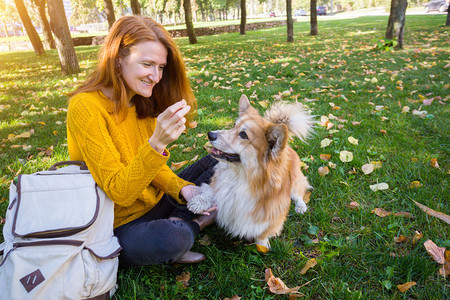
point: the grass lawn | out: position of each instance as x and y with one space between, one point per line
393 103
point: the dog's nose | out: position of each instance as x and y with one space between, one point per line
212 136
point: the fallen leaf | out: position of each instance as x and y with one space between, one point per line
183 278
354 205
263 104
346 156
178 165
368 168
436 253
352 140
381 212
376 164
325 157
415 185
325 143
194 158
324 171
434 163
383 131
262 249
431 212
307 197
205 240
417 237
404 214
309 264
277 286
406 286
235 297
400 239
406 109
379 186
332 165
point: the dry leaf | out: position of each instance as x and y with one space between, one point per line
324 171
205 240
415 185
277 286
354 205
400 239
178 165
404 214
352 140
235 297
445 270
183 278
309 264
437 253
346 156
431 212
307 197
379 186
376 164
381 212
325 157
406 286
325 143
434 163
417 237
368 168
262 249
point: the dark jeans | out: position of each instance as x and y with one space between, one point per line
153 238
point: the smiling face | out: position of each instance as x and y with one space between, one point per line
143 68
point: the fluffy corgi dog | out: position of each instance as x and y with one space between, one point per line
258 172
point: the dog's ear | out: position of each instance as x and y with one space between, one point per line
244 104
277 136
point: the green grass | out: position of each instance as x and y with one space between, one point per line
356 250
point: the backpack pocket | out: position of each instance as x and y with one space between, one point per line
42 270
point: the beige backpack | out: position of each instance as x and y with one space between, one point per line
59 241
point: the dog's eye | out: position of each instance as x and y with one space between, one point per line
243 135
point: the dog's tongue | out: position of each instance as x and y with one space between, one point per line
216 151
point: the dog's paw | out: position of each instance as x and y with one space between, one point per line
262 245
300 206
201 201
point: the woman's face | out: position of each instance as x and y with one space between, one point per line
143 68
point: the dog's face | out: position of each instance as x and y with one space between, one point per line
252 139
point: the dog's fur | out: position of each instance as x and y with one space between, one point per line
258 173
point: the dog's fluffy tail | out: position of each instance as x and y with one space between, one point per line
293 116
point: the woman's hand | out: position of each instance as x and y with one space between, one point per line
170 124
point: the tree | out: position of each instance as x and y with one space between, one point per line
42 17
396 23
243 17
31 31
313 17
290 22
109 12
188 19
135 7
60 27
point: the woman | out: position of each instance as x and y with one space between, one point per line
120 121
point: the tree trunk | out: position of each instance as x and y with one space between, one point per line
243 17
109 12
46 30
188 19
5 28
31 31
313 18
135 7
290 22
396 24
60 27
448 18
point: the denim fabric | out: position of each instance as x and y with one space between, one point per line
153 238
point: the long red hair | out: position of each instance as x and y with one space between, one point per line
173 86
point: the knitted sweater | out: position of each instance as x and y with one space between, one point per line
119 157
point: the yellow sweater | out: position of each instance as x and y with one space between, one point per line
118 155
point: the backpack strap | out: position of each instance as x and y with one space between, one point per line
80 163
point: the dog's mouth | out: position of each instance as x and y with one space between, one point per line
230 157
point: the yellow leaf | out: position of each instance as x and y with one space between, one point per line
374 80
42 123
436 253
405 109
263 104
381 212
262 249
437 214
325 143
346 156
352 140
309 264
400 239
406 286
24 135
183 278
307 197
11 137
324 171
376 164
417 237
434 163
368 168
415 184
194 158
379 186
178 165
205 240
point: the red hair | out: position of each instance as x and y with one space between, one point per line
173 86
